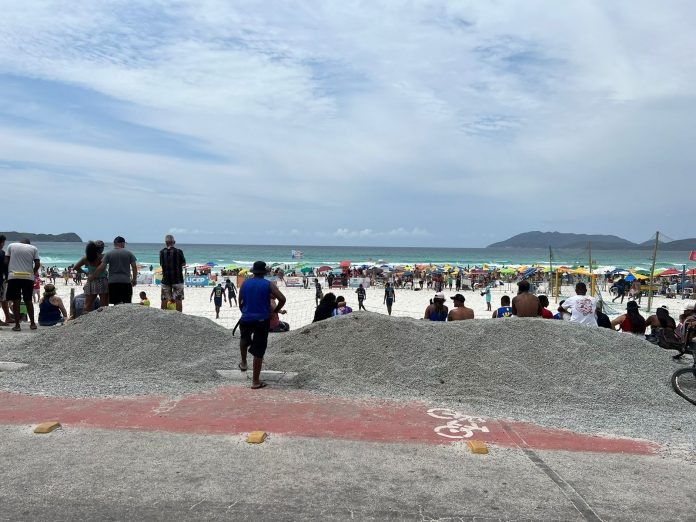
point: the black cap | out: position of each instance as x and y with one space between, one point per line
458 297
259 268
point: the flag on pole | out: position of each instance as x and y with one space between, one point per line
692 257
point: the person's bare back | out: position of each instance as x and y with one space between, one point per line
526 305
460 313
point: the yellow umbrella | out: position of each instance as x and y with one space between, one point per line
244 271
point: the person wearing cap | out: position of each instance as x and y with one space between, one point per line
525 304
96 289
631 321
51 309
123 272
436 310
255 302
459 312
172 261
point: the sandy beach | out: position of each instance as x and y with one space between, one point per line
409 303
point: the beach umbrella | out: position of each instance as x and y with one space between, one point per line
275 264
669 272
306 269
244 271
323 268
211 264
630 278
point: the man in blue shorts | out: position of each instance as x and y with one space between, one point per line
255 301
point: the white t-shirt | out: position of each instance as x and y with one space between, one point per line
582 309
21 261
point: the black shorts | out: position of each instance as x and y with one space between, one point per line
255 333
20 289
120 293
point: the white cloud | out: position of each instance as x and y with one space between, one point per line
429 118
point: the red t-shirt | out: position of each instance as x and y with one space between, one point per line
546 313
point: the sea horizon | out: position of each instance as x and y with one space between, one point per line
65 254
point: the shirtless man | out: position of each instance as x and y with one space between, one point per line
525 304
459 312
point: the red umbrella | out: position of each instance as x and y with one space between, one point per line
670 272
324 268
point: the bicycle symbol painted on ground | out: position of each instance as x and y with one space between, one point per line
460 426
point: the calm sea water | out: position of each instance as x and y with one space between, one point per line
64 254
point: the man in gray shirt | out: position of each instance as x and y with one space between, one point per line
123 272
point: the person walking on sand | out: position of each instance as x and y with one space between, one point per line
487 293
231 292
318 293
123 272
362 295
389 297
22 260
525 304
255 301
219 294
459 312
172 261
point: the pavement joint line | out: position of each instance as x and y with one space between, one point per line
567 489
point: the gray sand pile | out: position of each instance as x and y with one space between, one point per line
555 372
121 350
550 372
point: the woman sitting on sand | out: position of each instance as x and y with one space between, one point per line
100 286
325 308
51 309
631 321
437 310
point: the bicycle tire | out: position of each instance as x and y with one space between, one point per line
684 383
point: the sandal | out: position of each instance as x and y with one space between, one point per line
259 385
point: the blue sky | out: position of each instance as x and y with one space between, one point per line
427 123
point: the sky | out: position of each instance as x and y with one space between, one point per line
414 123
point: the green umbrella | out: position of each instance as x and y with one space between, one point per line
306 269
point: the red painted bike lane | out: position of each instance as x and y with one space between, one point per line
234 410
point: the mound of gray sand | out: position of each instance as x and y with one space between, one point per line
554 372
122 350
589 379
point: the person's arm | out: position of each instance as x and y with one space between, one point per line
99 270
495 314
275 293
618 321
211 295
134 269
37 265
60 305
426 315
162 258
514 307
539 307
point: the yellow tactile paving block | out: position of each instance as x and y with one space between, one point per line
477 446
47 427
256 437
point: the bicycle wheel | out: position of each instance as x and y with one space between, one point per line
684 383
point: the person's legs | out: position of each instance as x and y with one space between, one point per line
27 291
258 350
89 303
244 343
15 311
104 299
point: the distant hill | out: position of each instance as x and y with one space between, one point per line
538 239
68 237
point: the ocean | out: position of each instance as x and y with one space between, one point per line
64 254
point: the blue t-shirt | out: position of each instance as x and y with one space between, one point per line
256 299
504 311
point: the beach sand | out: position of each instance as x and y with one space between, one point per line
409 303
